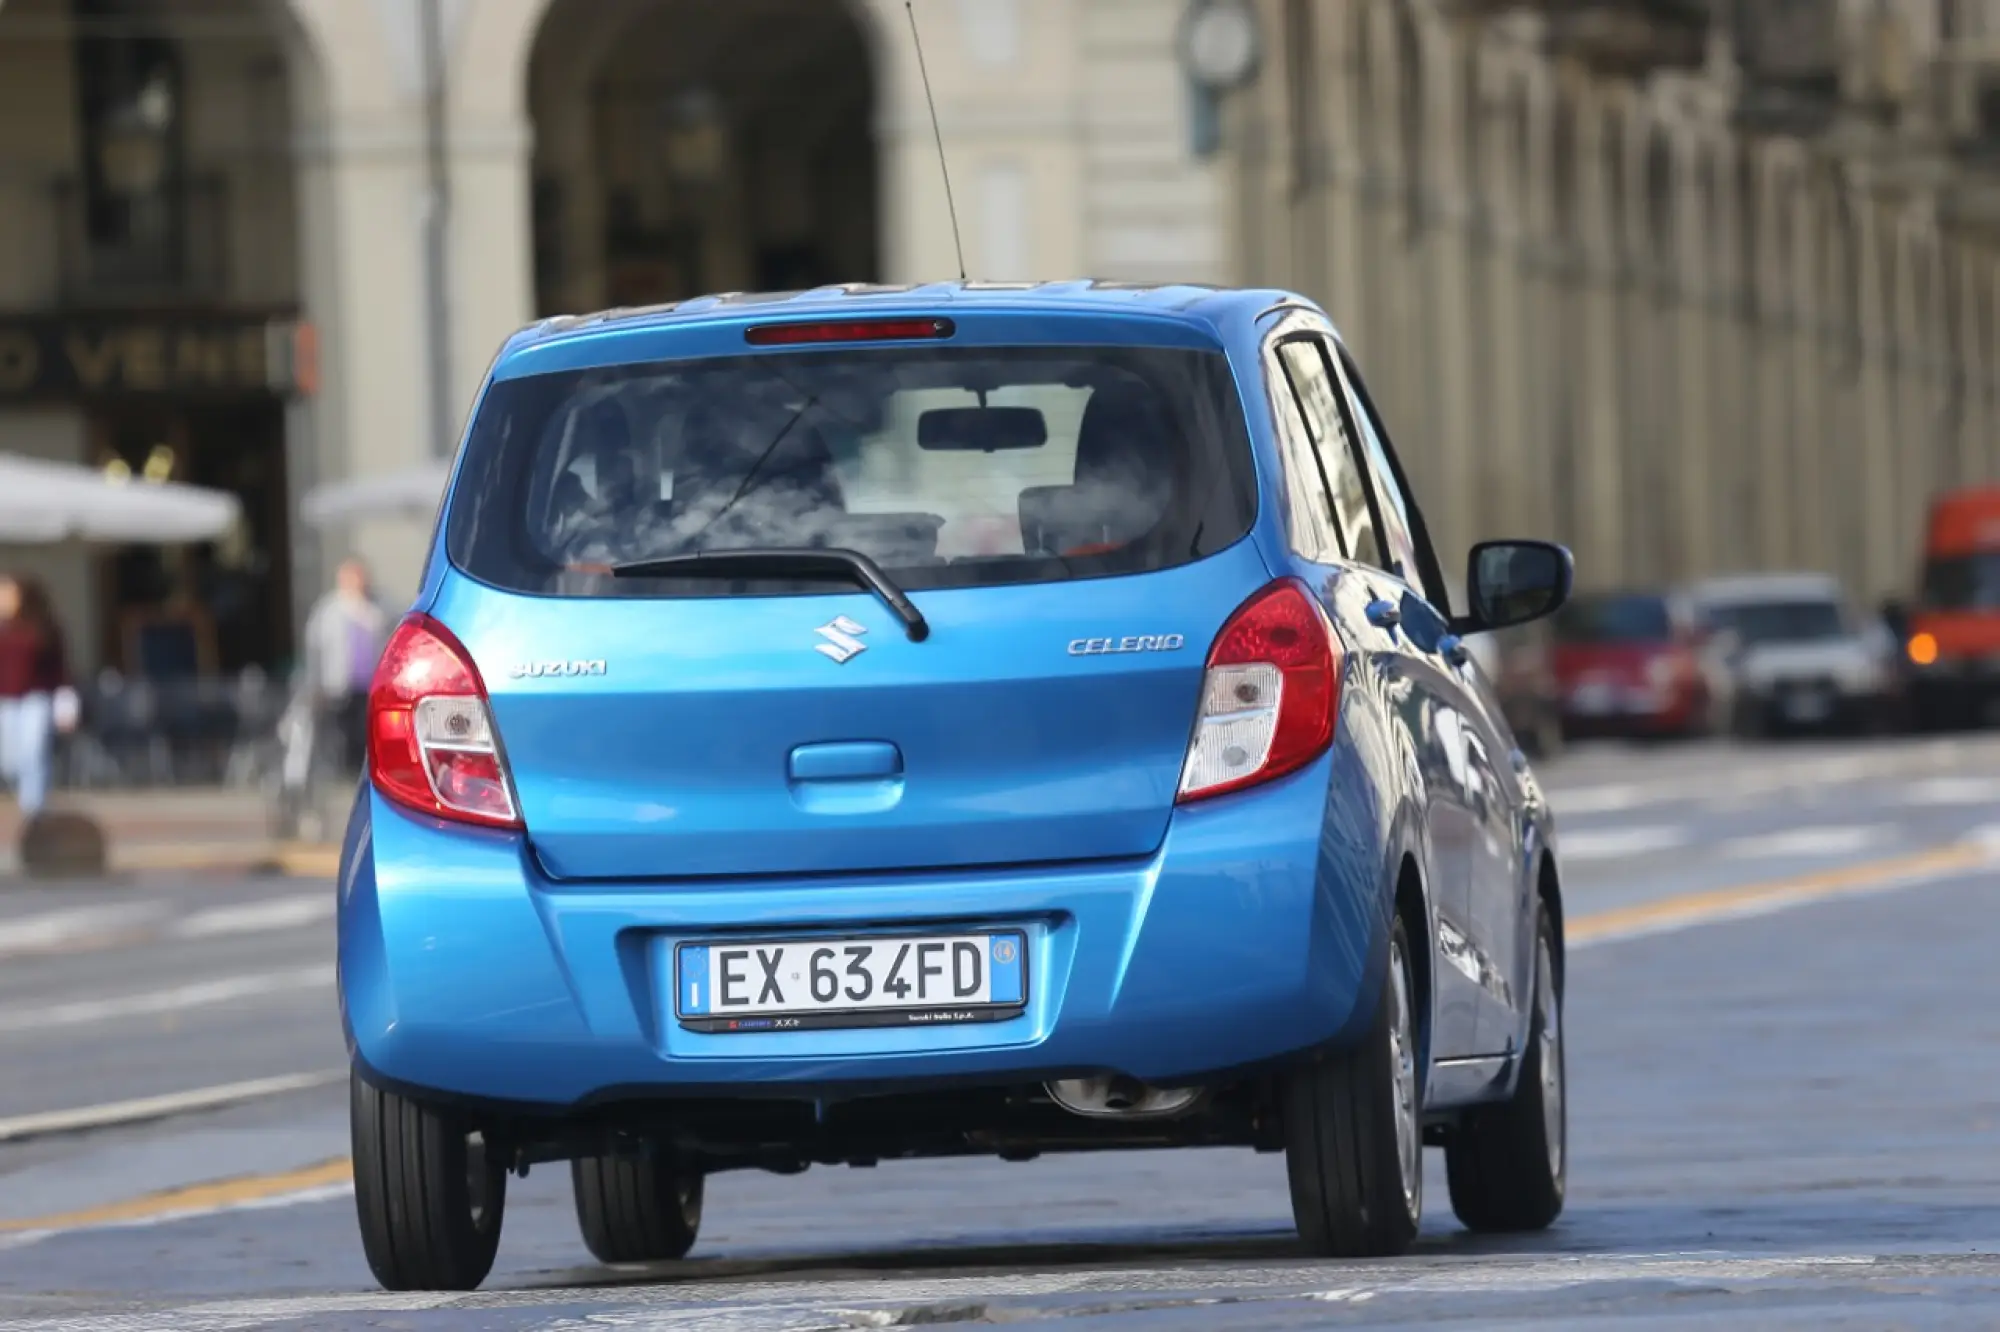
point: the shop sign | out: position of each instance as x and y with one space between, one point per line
96 356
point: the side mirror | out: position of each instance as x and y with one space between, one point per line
1513 582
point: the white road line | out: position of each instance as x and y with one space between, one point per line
1951 791
14 1021
53 929
114 1113
1598 799
1829 840
782 1307
283 913
1610 843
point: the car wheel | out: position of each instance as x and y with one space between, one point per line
1508 1164
1354 1132
636 1209
429 1194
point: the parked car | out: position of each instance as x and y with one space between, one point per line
1952 639
1633 664
714 821
1799 657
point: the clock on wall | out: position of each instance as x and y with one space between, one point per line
1220 44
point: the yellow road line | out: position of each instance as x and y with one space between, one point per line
1742 899
215 1196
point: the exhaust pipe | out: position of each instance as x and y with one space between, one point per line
1115 1096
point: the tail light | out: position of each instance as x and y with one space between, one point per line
1269 697
431 745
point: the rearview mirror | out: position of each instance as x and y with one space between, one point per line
982 429
1513 582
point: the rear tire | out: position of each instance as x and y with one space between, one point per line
429 1196
1353 1132
636 1209
1508 1164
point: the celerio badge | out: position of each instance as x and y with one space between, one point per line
841 645
1097 647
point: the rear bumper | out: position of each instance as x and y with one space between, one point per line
1954 695
1780 707
1254 932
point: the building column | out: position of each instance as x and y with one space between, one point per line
1767 460
365 290
1601 535
1499 470
1877 420
1692 445
492 277
1440 338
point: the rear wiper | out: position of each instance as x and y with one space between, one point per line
786 562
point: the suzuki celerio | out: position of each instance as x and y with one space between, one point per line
954 720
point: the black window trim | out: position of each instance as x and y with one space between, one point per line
1321 340
1273 353
1435 588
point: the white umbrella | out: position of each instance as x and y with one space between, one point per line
412 492
44 502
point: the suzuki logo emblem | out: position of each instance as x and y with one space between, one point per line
841 645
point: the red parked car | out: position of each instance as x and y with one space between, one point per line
1630 664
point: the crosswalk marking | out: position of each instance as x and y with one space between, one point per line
1612 843
1825 840
841 1300
284 913
201 994
98 927
51 930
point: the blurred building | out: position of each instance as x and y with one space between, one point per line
1694 284
1698 285
218 215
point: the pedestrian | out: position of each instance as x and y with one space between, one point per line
36 699
344 639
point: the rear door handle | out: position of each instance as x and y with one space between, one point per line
1383 614
1452 647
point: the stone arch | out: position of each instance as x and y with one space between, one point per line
743 154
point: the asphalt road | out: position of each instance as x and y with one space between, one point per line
1783 1114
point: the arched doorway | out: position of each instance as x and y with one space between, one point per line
684 146
152 269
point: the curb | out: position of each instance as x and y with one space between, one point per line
295 860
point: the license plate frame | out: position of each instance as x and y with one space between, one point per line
697 1012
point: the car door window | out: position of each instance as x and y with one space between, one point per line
1403 527
1312 379
1314 531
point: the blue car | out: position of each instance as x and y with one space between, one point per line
968 719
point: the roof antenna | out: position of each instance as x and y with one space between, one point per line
943 169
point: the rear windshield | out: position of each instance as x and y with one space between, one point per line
1963 582
1635 619
1803 621
1105 461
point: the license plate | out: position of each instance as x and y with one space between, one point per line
899 980
1807 706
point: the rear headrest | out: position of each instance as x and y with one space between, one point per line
602 430
1122 438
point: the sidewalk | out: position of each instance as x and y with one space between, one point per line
203 829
